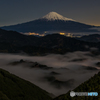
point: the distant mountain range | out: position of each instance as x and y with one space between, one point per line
52 22
91 38
11 41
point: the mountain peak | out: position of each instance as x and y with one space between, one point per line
55 16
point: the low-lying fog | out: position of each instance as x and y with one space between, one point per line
67 72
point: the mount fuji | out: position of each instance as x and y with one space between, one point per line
55 16
53 22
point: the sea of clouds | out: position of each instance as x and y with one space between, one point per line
71 68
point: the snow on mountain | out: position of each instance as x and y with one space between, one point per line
52 22
55 16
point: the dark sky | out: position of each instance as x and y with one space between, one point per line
18 11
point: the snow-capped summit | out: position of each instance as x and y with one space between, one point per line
55 16
52 22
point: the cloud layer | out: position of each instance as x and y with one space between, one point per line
68 70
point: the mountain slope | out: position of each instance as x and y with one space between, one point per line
51 22
16 38
3 96
92 85
15 88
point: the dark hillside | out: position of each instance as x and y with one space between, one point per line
15 88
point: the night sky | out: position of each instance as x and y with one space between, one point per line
19 11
